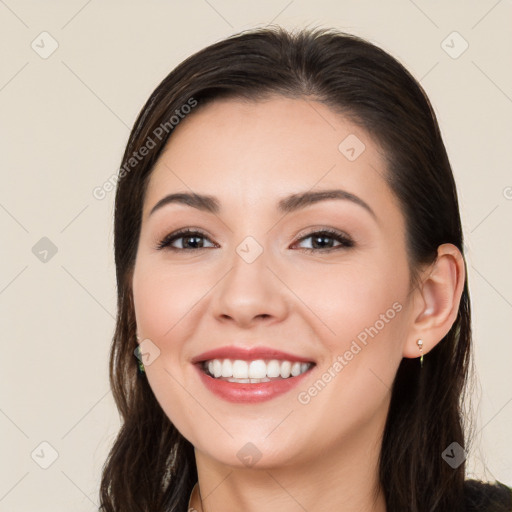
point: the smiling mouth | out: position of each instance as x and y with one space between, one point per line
254 371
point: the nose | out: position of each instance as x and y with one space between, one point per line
251 293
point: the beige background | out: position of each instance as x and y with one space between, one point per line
65 121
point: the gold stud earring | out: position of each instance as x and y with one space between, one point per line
420 345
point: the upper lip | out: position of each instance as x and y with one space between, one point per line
248 354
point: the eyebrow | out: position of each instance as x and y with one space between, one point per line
288 204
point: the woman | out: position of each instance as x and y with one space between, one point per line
291 280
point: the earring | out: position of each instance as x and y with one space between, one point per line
420 345
140 365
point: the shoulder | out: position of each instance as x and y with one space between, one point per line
487 497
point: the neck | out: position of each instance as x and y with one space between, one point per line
345 479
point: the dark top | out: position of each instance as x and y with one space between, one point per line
486 497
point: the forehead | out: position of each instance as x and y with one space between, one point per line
251 153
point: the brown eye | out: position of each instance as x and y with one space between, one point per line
322 241
192 240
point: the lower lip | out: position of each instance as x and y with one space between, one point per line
249 393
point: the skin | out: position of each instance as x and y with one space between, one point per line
322 455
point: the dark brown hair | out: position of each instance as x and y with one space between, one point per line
151 466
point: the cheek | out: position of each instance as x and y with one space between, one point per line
354 301
361 311
163 296
365 324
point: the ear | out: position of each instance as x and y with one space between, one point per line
436 301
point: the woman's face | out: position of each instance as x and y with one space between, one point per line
248 281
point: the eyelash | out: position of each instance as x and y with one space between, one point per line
345 240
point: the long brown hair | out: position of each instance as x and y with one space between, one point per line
151 466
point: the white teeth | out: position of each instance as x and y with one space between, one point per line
257 369
273 368
217 368
257 381
286 368
227 368
240 369
295 369
254 371
246 381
